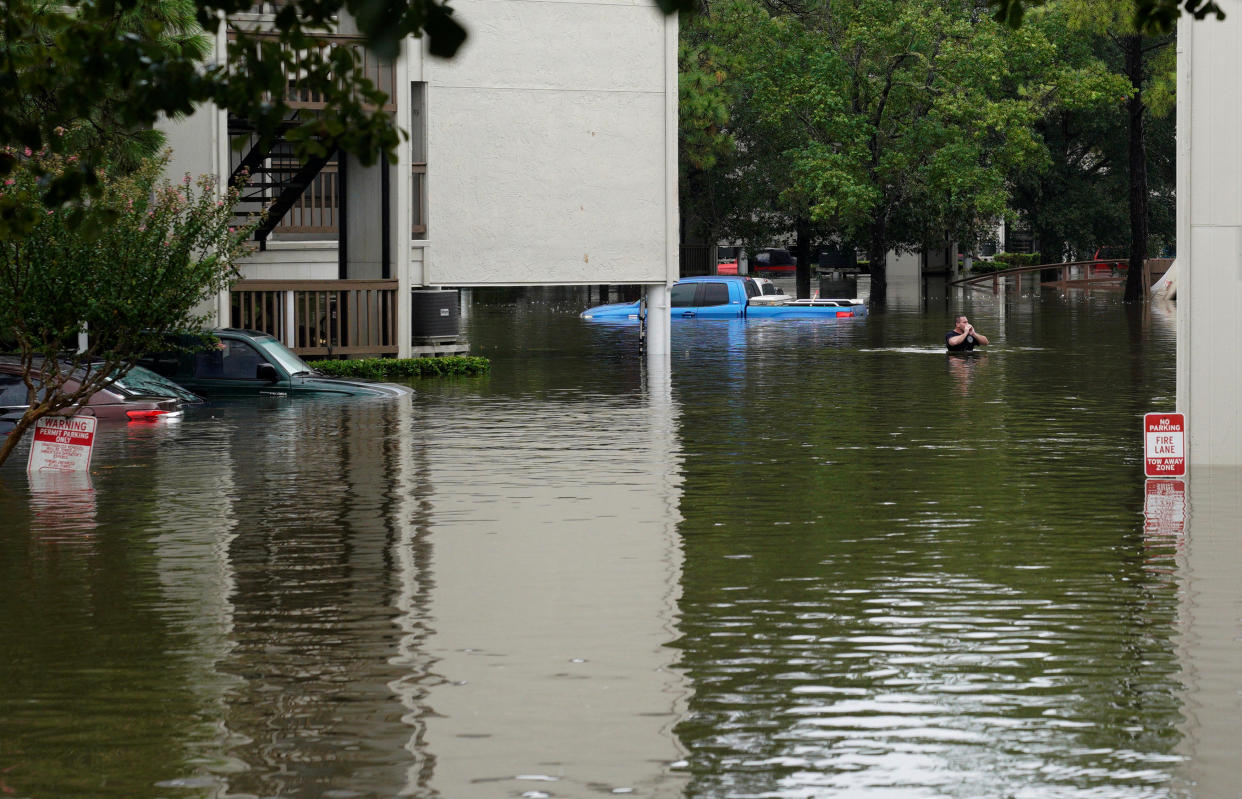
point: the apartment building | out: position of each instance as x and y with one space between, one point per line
543 153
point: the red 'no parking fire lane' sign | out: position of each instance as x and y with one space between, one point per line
1164 444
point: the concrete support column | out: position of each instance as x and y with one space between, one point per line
364 219
659 343
400 193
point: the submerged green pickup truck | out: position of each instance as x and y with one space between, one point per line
248 362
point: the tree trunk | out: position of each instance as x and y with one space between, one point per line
877 253
802 229
9 442
1133 46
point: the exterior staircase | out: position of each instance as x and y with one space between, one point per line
278 181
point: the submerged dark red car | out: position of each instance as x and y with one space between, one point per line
139 396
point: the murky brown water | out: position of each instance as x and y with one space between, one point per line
808 560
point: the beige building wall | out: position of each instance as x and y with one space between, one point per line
551 144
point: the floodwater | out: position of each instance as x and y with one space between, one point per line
801 560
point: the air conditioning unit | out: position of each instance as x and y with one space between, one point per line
437 316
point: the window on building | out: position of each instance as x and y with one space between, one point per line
418 157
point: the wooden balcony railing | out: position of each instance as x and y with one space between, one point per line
320 317
318 209
381 72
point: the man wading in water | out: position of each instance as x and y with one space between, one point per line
963 337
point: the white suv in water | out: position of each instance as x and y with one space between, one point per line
769 293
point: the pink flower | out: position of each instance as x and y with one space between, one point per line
9 182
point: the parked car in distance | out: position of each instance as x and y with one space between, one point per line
249 362
769 292
1110 258
773 261
144 397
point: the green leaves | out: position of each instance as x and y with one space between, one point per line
406 368
138 259
1150 17
109 69
142 257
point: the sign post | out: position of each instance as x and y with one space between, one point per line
62 444
1164 437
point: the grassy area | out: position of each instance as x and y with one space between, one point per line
405 368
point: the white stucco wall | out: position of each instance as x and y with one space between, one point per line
904 265
552 146
1209 293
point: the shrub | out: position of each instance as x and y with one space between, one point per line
1008 259
399 368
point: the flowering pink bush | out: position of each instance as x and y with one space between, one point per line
140 258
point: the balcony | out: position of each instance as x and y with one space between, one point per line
320 317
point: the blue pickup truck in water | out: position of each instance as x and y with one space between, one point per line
729 297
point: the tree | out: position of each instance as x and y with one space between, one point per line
1078 202
1109 172
889 124
1149 17
136 260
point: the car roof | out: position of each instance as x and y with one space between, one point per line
16 361
712 278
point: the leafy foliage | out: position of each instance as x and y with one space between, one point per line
869 122
1112 171
1150 17
404 368
1008 259
140 258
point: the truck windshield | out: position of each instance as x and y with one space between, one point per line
288 360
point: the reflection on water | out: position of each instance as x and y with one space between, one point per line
62 506
1210 640
808 560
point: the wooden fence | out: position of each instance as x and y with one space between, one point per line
320 317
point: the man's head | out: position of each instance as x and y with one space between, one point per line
960 323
